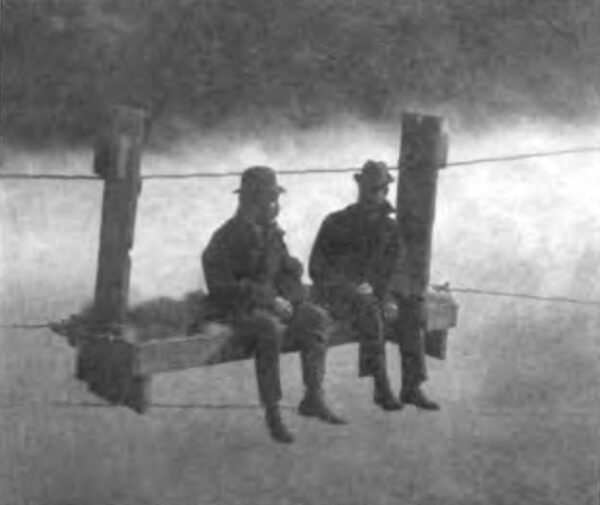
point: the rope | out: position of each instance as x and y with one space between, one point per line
213 175
27 326
190 406
542 154
60 177
556 299
484 411
443 288
229 406
190 175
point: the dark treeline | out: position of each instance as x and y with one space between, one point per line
299 61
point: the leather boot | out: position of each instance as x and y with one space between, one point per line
314 405
383 395
418 398
313 372
278 430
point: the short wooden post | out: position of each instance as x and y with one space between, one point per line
422 152
118 161
106 363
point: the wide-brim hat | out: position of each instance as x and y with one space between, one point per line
260 180
374 174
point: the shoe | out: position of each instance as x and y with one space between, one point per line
417 398
278 430
310 407
382 393
387 401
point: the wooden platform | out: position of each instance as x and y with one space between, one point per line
118 364
119 348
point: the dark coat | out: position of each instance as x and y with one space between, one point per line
355 245
247 265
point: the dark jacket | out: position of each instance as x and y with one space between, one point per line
355 245
247 265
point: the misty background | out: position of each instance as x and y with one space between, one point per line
253 64
307 84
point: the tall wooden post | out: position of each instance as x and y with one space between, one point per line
106 364
422 153
118 162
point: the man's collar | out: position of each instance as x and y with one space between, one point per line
247 219
383 208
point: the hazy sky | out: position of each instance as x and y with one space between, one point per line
254 64
307 84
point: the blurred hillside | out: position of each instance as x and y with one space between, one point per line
209 62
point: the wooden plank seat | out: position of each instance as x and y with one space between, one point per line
117 363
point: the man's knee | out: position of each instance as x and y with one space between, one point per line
312 317
367 305
311 323
264 327
412 311
411 343
368 317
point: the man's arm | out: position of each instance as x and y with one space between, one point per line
289 280
224 287
324 265
387 262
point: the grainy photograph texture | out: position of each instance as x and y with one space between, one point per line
299 252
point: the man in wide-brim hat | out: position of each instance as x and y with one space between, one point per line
351 263
254 282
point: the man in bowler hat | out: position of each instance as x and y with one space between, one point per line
256 283
352 260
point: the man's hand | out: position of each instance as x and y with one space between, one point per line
390 311
364 289
283 308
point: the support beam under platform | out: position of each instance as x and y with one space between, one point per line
217 343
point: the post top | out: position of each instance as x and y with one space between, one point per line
128 111
126 119
430 123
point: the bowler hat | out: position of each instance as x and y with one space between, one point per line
259 179
374 174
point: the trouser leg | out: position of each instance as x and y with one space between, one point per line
266 363
368 321
412 354
372 359
411 343
413 369
264 332
309 328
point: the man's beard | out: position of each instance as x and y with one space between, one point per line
376 207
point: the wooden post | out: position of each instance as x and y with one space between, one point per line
118 162
105 363
423 152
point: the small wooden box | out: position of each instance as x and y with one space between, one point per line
436 343
442 314
442 310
